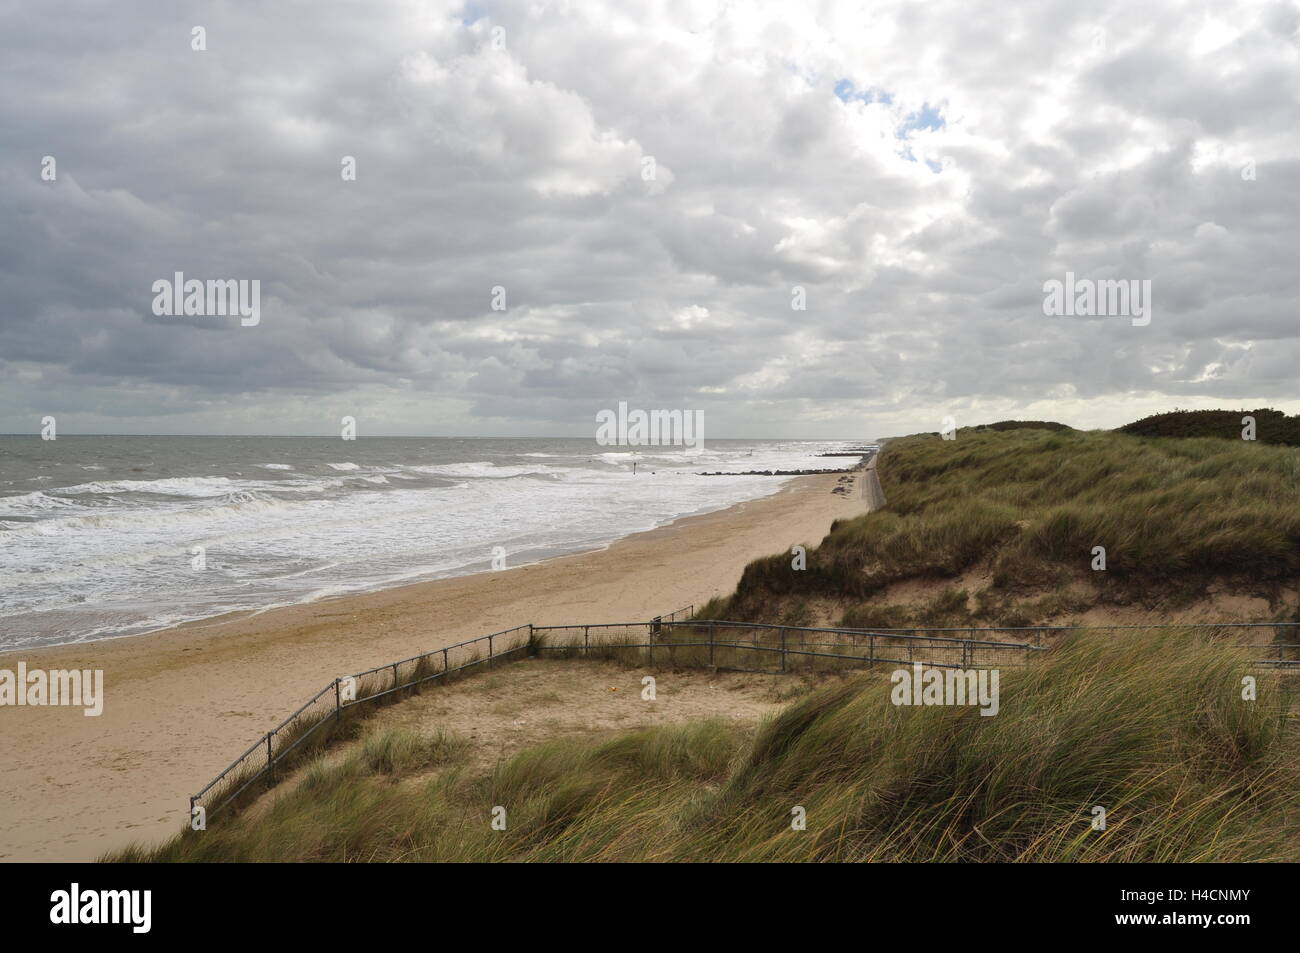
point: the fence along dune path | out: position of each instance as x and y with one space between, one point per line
676 639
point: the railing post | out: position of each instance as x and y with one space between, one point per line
711 665
586 641
270 762
489 651
444 661
783 651
338 700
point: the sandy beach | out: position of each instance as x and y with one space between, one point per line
182 703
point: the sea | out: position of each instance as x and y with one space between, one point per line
111 536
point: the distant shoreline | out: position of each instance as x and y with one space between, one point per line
120 541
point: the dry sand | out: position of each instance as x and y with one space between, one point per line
501 712
181 704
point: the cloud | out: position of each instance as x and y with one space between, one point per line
919 170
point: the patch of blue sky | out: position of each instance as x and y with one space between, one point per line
906 153
473 12
927 117
847 92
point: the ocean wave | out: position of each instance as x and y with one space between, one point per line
174 486
24 504
168 519
119 550
483 468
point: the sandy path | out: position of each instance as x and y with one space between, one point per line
181 704
873 494
532 701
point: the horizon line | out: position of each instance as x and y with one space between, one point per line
403 436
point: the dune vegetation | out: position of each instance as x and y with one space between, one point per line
1152 729
1271 426
1002 528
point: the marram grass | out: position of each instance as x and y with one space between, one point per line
1178 518
1149 725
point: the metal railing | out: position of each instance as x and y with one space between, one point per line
1284 644
327 706
677 639
774 649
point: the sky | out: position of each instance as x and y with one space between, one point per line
811 220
